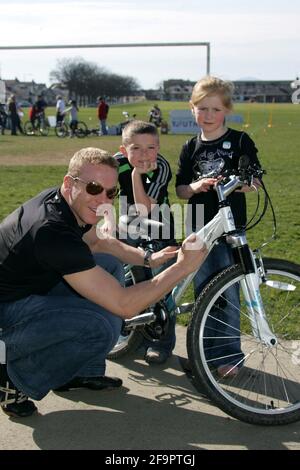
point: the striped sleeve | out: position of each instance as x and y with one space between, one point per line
159 184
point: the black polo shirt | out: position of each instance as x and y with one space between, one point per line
40 242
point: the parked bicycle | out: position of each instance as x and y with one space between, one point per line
122 124
266 389
62 129
40 125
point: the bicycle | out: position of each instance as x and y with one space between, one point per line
123 124
62 129
266 389
40 126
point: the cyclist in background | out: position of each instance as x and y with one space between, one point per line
37 112
155 115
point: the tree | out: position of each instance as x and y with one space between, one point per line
86 80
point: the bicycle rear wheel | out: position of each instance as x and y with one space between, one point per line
61 130
28 128
81 130
266 389
44 128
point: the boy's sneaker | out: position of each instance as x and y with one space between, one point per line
154 356
12 401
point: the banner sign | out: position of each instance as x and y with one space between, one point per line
182 121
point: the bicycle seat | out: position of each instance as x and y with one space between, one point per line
133 224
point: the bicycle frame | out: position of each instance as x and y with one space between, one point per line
223 225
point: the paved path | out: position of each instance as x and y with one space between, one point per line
157 408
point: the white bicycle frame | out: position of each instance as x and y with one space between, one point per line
223 224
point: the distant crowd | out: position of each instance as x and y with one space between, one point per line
12 114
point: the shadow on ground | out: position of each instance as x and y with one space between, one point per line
159 409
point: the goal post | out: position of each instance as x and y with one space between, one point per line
92 46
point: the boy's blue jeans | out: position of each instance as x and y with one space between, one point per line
52 338
219 258
167 343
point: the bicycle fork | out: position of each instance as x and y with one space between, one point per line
250 288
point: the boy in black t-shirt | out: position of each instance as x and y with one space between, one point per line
144 175
201 161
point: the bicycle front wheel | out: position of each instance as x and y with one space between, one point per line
265 386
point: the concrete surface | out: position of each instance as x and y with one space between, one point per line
157 408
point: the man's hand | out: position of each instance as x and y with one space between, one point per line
192 253
160 257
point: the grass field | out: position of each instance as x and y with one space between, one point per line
30 164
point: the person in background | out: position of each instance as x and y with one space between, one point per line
3 118
155 115
60 109
102 112
14 114
73 110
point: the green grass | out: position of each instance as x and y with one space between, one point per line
275 128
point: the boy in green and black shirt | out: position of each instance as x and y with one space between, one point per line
144 175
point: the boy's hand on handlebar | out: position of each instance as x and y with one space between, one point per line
192 253
160 257
203 185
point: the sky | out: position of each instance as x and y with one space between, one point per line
258 39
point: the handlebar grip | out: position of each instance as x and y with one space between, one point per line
244 162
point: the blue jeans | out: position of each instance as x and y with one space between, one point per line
219 258
103 129
52 338
167 342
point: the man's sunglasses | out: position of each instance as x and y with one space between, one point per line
94 188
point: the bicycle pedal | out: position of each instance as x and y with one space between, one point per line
142 319
184 308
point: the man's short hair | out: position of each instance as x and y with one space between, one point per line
92 155
137 127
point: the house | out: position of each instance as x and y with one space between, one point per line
26 92
177 90
263 91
